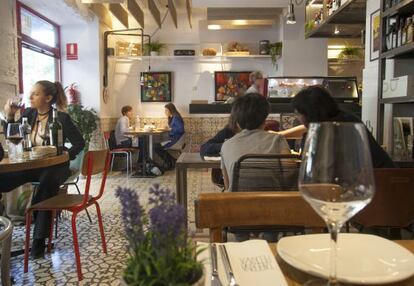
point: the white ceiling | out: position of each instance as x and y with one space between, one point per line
59 11
240 3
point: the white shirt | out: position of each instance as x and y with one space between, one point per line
252 89
122 126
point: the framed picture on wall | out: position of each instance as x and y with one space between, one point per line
156 87
375 37
230 84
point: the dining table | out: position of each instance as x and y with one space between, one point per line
189 161
147 148
6 166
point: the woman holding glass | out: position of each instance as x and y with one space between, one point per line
43 95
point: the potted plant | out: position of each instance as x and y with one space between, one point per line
349 52
275 51
85 119
159 250
153 48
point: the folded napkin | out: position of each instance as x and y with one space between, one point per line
252 261
211 158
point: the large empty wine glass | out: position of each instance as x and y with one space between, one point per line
336 177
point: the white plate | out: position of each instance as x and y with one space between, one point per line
362 258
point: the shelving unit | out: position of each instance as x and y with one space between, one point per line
349 20
192 58
402 106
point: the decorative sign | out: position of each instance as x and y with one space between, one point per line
71 51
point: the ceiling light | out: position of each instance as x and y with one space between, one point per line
336 32
290 18
214 27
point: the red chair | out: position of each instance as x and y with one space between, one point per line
95 162
119 151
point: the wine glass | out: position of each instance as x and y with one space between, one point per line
336 177
15 136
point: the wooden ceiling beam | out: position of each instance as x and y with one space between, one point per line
102 13
173 12
189 12
136 12
120 13
155 12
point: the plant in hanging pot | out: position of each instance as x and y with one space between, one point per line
153 48
275 51
160 253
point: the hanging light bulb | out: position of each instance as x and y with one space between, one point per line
290 18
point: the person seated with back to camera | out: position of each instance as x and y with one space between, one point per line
175 137
316 104
250 113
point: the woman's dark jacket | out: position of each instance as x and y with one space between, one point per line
213 146
380 158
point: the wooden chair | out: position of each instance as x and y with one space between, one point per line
393 202
219 210
95 162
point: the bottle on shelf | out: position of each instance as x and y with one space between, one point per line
409 147
394 36
400 32
27 131
404 32
56 133
410 30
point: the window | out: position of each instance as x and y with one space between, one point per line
39 48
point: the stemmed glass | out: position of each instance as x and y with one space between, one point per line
14 136
336 177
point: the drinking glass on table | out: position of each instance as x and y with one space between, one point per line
336 177
14 138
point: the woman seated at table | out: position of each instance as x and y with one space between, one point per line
315 104
176 136
43 95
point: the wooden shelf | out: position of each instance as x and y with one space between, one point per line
402 99
405 51
190 58
405 7
349 19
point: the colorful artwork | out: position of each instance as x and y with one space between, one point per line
156 87
375 40
230 84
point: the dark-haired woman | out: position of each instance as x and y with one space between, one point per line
176 136
43 95
315 104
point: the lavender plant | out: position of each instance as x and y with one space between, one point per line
160 252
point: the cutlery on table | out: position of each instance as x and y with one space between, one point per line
227 266
215 280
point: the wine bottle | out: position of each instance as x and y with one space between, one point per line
56 133
27 131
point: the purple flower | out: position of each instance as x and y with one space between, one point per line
167 218
132 215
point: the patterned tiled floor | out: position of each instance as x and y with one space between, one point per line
58 268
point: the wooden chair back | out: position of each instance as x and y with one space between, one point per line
393 202
266 172
219 210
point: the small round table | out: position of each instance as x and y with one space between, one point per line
8 167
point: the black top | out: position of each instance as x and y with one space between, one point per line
70 131
213 146
380 158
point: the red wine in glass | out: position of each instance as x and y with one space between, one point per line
15 139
